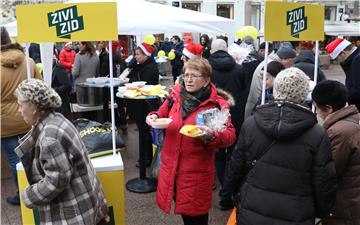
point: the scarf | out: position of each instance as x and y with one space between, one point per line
189 101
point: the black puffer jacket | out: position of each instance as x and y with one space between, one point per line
351 67
228 76
147 71
294 181
305 61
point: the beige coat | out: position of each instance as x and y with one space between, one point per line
343 129
13 71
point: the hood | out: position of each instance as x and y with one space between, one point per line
221 61
12 58
306 56
349 111
284 120
227 96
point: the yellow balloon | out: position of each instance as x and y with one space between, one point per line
247 31
171 55
161 53
149 39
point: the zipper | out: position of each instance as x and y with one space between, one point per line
279 125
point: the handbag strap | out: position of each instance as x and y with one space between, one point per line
258 156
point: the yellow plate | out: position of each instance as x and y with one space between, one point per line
191 131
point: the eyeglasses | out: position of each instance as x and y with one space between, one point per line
191 75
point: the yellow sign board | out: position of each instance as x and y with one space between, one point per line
293 21
67 22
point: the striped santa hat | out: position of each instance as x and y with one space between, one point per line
336 47
147 49
192 50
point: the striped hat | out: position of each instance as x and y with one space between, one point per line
147 49
336 47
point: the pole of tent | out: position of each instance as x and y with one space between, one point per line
27 61
264 74
316 68
112 97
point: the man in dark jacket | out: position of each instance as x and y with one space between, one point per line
228 76
282 166
306 62
342 125
34 52
145 70
62 85
177 64
249 66
350 65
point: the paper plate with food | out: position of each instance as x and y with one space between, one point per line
191 131
161 123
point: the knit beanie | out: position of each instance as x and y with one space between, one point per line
291 84
39 94
286 53
217 45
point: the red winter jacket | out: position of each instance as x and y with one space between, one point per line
67 59
187 164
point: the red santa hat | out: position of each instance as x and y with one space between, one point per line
192 50
147 49
67 43
336 47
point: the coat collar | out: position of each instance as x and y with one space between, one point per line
27 143
341 114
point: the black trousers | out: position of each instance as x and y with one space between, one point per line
196 220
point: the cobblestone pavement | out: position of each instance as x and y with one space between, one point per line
140 208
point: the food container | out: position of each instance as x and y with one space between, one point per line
161 123
89 96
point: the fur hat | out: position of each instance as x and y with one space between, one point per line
217 45
192 50
147 49
39 94
336 47
291 84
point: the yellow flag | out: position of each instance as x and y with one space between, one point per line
67 22
286 21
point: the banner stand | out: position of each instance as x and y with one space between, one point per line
27 61
265 73
316 69
112 96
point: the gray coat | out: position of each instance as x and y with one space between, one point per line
256 86
85 66
63 183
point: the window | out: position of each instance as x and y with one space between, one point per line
330 13
225 10
191 6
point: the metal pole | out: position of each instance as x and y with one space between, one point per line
265 72
27 61
112 97
316 68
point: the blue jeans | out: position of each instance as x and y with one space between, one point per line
8 144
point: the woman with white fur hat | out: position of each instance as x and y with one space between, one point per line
282 169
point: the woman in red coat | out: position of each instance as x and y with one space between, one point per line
187 164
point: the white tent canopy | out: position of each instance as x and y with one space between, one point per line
137 17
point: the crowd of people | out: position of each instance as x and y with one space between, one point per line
277 163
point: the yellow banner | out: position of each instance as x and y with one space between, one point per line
293 21
67 22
